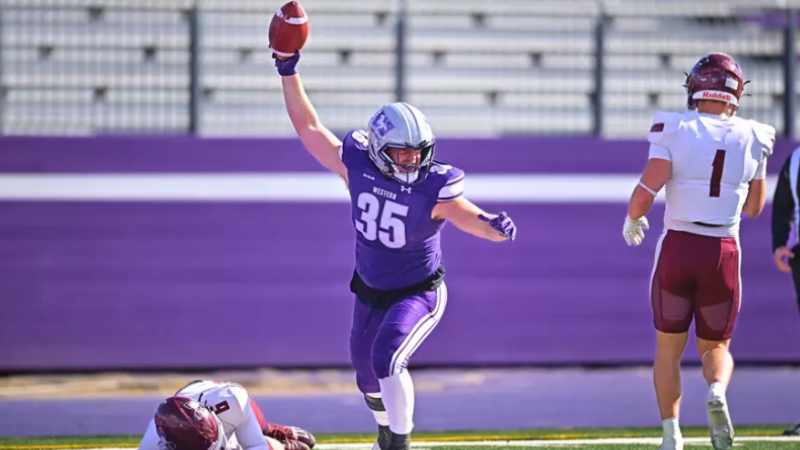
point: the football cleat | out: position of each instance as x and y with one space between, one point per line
794 431
719 422
391 441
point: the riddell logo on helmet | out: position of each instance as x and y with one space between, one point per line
717 96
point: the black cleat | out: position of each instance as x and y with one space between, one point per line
392 441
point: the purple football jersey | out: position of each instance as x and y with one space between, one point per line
397 241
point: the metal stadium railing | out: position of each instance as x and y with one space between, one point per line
477 68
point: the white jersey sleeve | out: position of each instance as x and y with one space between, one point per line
150 440
662 134
763 145
249 433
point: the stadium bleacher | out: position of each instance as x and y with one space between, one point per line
475 67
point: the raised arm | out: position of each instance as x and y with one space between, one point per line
317 139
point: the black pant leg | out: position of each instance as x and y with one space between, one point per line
794 263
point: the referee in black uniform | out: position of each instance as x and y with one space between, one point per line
785 212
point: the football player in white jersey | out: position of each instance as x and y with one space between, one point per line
216 415
713 165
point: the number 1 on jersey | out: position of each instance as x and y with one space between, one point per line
716 173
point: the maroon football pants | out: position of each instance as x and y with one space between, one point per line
696 277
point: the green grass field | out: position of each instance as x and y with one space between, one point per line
748 438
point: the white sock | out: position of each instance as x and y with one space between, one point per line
716 389
380 416
398 399
672 430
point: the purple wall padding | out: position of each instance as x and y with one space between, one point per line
87 285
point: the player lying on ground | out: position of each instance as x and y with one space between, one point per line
400 198
713 165
214 415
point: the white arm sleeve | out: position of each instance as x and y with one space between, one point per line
150 439
249 432
660 152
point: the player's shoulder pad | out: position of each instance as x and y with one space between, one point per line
238 400
447 182
240 394
664 125
354 146
765 136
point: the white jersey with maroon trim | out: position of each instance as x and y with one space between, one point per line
713 161
227 400
231 404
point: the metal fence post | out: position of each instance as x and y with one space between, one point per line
194 69
599 74
789 74
400 51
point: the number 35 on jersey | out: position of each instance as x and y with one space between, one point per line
382 219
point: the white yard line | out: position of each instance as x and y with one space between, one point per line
539 443
552 442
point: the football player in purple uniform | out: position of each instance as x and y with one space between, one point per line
401 198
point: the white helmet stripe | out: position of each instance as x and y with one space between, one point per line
414 132
401 110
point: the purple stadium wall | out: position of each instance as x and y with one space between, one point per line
159 284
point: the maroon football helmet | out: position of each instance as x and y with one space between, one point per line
184 424
715 76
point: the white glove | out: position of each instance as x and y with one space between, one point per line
632 231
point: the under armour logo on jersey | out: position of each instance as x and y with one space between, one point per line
405 189
381 125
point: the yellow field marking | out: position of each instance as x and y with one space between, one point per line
487 437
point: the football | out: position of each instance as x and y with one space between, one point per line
288 30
